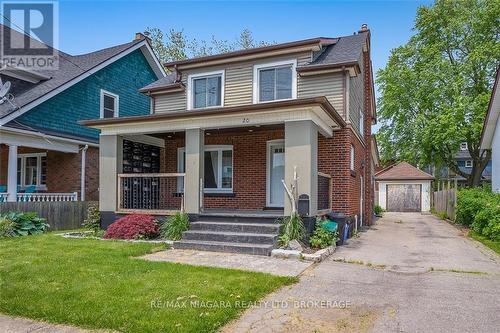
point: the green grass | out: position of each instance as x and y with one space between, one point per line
495 246
98 284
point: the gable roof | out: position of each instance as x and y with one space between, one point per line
333 52
492 115
72 69
402 171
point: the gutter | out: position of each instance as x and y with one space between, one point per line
321 101
82 179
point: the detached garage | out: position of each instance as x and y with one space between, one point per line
404 188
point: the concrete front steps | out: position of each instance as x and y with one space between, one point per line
225 234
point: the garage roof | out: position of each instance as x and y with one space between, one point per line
402 171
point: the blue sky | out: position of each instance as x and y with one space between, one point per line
86 26
89 25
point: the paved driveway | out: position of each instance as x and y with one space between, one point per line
408 273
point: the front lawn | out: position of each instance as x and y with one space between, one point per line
97 284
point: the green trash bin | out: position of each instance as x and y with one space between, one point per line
330 225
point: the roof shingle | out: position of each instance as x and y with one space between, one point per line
402 171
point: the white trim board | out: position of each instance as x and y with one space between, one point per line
77 79
244 119
37 141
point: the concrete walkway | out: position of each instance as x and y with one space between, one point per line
246 262
22 325
408 273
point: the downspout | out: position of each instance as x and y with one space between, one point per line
82 180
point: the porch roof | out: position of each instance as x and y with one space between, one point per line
320 109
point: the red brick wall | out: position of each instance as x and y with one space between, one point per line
63 170
368 99
249 167
4 156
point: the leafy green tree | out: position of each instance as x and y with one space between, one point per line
435 89
175 45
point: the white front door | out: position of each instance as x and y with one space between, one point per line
275 173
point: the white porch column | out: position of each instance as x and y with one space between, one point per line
12 174
194 169
301 151
110 164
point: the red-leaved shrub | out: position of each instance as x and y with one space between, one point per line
134 226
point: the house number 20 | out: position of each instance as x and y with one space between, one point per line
246 120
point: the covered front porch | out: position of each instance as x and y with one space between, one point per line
40 168
233 166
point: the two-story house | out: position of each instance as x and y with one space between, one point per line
45 154
233 128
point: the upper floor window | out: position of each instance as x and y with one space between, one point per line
463 146
206 90
109 104
275 81
468 163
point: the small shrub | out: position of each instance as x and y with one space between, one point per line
322 238
479 209
487 222
378 210
26 223
284 241
135 226
469 203
93 220
292 227
175 226
7 227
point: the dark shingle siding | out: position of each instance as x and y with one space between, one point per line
123 77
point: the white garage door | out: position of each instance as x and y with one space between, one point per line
404 198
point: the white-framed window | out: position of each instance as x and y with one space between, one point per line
468 163
32 170
275 81
205 90
463 146
218 164
109 104
352 158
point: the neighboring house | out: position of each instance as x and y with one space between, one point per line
464 162
43 148
234 125
404 188
490 138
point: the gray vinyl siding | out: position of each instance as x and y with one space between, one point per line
356 105
172 102
330 85
238 85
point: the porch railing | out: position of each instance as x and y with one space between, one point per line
325 186
47 197
151 193
3 197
